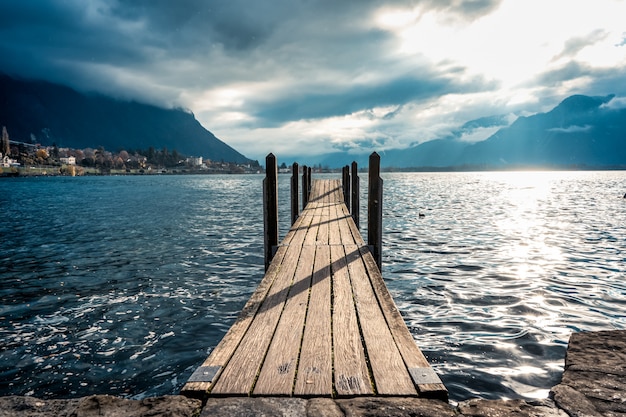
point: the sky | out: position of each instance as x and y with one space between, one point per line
308 77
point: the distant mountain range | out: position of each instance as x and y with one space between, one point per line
46 113
581 132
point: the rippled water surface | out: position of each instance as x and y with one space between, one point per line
123 285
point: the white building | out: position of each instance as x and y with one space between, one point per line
70 160
194 161
6 162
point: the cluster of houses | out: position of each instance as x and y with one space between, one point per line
82 161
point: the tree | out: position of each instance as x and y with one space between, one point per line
55 151
124 155
5 147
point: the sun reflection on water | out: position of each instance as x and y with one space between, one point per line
502 269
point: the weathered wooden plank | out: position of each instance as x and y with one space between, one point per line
351 373
314 376
238 377
279 368
323 220
334 232
413 357
391 376
353 230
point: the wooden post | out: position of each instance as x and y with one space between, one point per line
345 182
294 192
375 209
305 186
308 182
270 208
356 185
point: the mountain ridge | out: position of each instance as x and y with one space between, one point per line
46 113
580 132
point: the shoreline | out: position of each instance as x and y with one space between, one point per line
593 384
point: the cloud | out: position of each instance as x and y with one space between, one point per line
571 129
343 100
616 103
574 45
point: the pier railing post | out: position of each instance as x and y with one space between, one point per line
345 182
270 208
308 182
305 186
356 207
294 192
375 209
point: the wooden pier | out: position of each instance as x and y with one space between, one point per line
321 322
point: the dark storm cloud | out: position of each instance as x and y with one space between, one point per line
359 97
55 40
123 32
232 23
351 99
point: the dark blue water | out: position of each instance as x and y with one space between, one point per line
123 285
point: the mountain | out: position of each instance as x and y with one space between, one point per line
46 113
581 132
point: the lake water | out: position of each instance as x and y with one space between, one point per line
123 285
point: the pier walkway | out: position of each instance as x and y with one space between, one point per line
321 322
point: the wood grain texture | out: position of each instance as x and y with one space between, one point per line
391 376
351 373
314 376
279 368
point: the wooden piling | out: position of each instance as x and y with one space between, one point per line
270 208
375 209
356 185
345 182
305 186
294 192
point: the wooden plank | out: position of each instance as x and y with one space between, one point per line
351 373
391 376
279 368
334 232
351 376
411 354
314 376
353 230
322 220
238 377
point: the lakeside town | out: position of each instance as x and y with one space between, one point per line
29 159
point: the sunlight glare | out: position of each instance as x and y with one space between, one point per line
530 251
516 42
